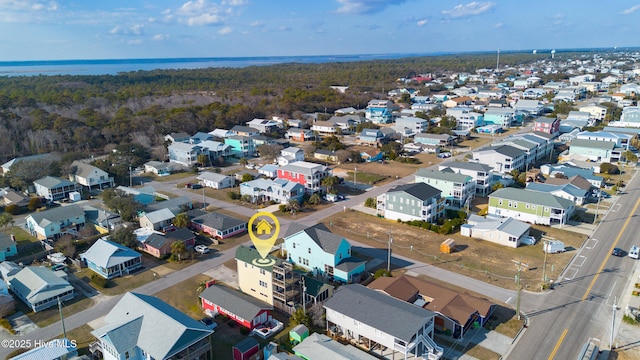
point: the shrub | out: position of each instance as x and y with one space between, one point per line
7 325
282 208
381 272
99 280
234 195
12 209
370 203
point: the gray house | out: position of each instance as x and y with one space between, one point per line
37 286
411 202
367 317
456 188
502 159
145 327
502 231
480 173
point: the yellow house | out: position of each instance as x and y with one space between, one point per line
255 280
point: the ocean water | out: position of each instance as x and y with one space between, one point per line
115 66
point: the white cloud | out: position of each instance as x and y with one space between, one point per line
225 30
137 29
160 37
630 10
134 42
422 22
498 25
470 9
256 24
365 6
28 5
204 19
235 2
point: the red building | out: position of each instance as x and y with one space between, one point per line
245 349
241 308
307 174
547 125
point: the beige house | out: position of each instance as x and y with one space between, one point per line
255 280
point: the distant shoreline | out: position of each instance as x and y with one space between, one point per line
116 66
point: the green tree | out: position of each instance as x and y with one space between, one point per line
497 186
203 160
330 183
247 177
181 220
300 317
243 161
34 203
12 209
5 220
125 236
178 250
370 203
293 206
314 199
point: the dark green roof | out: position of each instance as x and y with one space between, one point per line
249 254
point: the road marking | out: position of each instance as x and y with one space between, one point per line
579 263
509 299
560 340
616 208
575 272
613 245
588 244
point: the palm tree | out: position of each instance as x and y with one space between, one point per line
293 206
5 220
330 182
181 220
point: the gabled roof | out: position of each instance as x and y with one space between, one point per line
420 191
466 165
57 215
105 253
51 182
85 170
235 302
37 283
150 324
550 188
218 221
320 234
211 176
159 216
505 150
576 180
385 313
443 175
532 197
456 305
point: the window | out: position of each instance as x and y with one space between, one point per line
262 272
294 245
510 204
527 206
499 202
309 250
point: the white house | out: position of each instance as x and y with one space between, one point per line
90 176
215 180
289 155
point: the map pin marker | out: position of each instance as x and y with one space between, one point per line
264 236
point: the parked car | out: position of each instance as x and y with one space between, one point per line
202 249
196 186
528 240
444 155
209 323
617 252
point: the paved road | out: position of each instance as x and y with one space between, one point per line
581 305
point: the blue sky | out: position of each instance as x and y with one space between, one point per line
113 29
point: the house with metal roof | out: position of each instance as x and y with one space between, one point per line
56 349
530 206
480 173
408 202
90 176
215 180
455 188
55 222
218 225
596 150
54 188
278 190
434 139
145 327
322 252
263 125
367 318
290 155
455 312
500 230
571 171
566 191
320 346
502 159
241 308
620 139
157 220
110 260
38 287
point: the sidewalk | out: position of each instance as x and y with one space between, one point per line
627 339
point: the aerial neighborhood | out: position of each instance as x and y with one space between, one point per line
469 172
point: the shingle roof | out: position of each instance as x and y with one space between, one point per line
441 175
532 197
605 145
320 234
420 191
218 221
249 254
37 283
152 325
107 253
508 150
57 215
380 311
85 170
234 301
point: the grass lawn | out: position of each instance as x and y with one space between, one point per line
51 315
184 296
364 177
23 236
479 259
505 321
473 350
83 338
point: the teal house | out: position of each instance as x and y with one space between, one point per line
241 146
7 247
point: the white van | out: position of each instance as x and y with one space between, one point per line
634 252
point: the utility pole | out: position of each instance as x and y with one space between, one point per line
355 173
613 322
595 218
130 177
389 253
519 264
498 61
64 331
204 200
544 267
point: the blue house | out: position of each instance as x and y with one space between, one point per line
371 136
241 146
109 259
324 253
7 247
